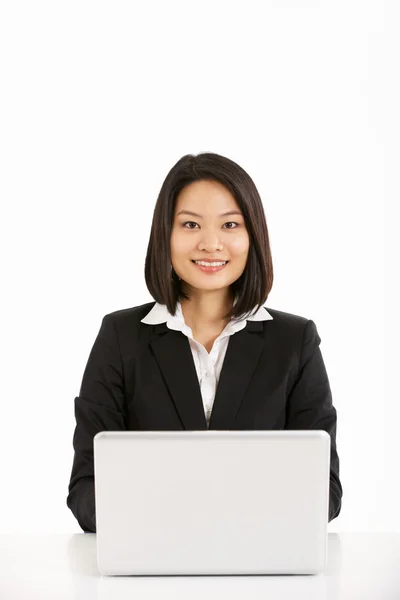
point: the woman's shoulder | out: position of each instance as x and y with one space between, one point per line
290 327
286 318
133 313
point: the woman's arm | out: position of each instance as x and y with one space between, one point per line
310 406
100 406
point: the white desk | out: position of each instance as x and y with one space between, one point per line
360 566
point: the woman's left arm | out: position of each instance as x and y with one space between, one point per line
309 406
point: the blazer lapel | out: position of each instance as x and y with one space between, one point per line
241 359
173 354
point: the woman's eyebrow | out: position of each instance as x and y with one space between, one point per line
193 214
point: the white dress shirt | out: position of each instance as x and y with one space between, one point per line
208 365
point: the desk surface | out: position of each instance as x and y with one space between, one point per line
360 566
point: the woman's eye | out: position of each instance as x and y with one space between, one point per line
187 223
228 223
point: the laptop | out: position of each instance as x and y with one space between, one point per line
211 502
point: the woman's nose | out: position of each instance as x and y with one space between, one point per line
210 240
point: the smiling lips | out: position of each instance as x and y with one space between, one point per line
210 260
210 269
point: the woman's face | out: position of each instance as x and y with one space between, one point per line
208 234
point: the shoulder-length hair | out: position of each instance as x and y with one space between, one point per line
252 288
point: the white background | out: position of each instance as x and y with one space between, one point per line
98 101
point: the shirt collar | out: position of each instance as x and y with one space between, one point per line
160 314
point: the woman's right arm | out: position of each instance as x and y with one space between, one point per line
100 406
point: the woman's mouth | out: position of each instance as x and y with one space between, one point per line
212 267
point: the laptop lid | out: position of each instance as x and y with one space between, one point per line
211 502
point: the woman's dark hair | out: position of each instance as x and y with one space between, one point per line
253 287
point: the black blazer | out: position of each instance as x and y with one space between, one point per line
143 377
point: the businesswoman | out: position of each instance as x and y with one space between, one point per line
206 354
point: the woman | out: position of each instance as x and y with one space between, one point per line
206 354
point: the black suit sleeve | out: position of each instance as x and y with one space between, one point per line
310 407
100 406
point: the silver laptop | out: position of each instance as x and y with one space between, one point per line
211 502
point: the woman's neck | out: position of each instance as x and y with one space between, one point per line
207 309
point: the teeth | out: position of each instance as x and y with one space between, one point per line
208 264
